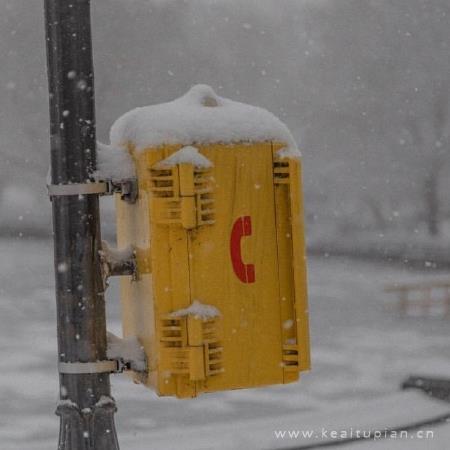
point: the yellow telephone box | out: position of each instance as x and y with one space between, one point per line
219 301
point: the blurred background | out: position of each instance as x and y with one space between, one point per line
363 85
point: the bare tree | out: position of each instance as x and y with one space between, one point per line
430 135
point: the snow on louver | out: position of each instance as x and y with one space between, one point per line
199 117
197 309
186 155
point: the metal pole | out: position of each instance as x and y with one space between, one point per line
86 409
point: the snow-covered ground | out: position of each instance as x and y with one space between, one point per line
360 354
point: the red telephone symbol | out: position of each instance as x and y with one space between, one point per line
242 227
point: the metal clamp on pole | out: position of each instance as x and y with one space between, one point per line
80 368
56 190
128 188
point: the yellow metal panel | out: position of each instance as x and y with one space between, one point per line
285 271
186 174
137 306
196 364
231 237
291 227
243 187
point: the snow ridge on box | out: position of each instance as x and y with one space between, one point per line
199 117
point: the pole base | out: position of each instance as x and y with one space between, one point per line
88 429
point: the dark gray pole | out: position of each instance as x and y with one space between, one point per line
86 408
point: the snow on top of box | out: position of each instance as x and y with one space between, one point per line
199 117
